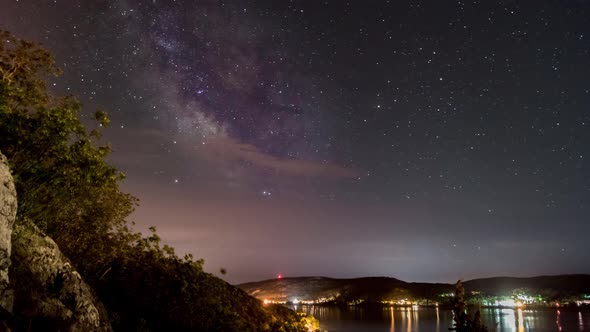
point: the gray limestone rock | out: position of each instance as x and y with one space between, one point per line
48 290
39 288
7 215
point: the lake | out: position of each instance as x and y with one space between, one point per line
389 319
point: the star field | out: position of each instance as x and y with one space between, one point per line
424 140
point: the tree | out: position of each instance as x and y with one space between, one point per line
63 182
463 321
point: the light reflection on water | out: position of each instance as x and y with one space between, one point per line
408 319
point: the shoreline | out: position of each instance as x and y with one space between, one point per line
443 307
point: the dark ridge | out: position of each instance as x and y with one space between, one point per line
376 289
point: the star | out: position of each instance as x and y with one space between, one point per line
419 126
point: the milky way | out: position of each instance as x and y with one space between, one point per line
424 140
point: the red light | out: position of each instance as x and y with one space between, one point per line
279 276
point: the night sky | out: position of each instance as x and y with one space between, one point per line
422 140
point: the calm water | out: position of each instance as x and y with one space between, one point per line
354 319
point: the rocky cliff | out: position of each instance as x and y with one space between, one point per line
7 216
39 288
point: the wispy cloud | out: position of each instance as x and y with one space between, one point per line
228 149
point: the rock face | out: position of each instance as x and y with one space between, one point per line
45 292
7 216
49 293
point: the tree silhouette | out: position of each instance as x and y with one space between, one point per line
463 321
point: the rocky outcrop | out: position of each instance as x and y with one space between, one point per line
7 216
49 295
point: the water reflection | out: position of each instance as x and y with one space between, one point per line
392 329
437 320
406 319
520 321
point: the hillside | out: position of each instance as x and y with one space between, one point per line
322 289
564 284
379 289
